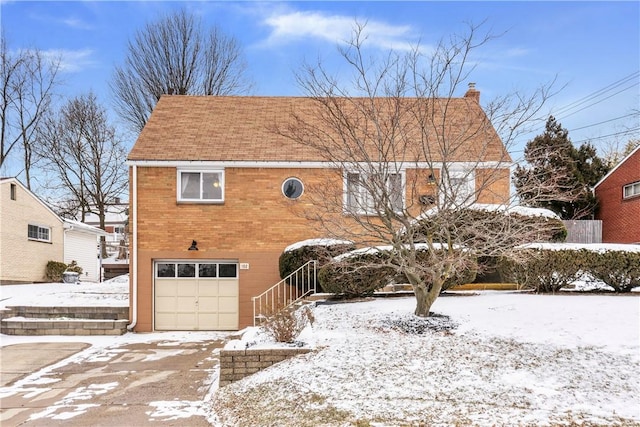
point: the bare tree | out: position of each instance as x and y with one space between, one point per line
28 84
84 157
175 55
411 161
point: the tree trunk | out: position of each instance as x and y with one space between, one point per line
425 294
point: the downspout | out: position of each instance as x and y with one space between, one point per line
133 256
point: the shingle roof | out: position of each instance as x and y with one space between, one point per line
228 128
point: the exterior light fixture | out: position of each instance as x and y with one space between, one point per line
194 246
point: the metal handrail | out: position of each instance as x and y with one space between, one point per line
286 292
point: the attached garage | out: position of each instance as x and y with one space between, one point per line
195 296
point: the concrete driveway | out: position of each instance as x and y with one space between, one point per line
137 384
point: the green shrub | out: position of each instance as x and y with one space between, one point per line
356 276
544 270
54 271
74 267
362 274
470 227
618 269
291 260
461 276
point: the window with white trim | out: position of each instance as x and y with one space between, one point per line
459 189
632 190
201 186
39 233
363 191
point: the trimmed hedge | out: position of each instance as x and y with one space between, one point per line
545 270
356 276
54 271
618 269
290 261
362 274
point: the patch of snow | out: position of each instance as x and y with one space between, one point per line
177 409
317 242
371 250
510 359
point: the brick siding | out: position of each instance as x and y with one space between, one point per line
253 225
620 217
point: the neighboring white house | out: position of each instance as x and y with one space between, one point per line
32 234
115 224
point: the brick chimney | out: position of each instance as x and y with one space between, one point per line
473 93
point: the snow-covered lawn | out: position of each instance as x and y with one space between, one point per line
114 292
512 359
491 358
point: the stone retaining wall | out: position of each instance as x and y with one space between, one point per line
237 364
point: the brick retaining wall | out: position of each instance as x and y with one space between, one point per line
237 364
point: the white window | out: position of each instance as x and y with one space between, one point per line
632 190
201 186
458 188
363 192
36 232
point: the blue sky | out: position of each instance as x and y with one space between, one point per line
592 47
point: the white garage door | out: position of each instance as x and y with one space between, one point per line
196 296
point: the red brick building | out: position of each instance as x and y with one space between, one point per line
618 194
211 171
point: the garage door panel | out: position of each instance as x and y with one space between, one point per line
165 288
208 320
196 303
227 321
208 304
186 288
185 321
165 321
227 304
208 288
228 288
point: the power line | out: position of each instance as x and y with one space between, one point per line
597 93
606 121
597 102
625 132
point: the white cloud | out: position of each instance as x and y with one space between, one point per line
76 23
291 26
71 61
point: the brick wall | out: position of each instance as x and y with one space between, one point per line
620 217
253 225
237 364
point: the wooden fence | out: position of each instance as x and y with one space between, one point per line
584 231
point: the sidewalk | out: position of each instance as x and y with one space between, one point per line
163 382
19 360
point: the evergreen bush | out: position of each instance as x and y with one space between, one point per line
54 271
293 259
544 270
357 275
618 269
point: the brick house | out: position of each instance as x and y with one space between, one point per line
210 173
618 195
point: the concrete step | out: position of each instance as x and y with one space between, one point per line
62 326
103 313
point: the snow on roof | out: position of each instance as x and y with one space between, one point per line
316 242
384 248
517 210
595 247
82 227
